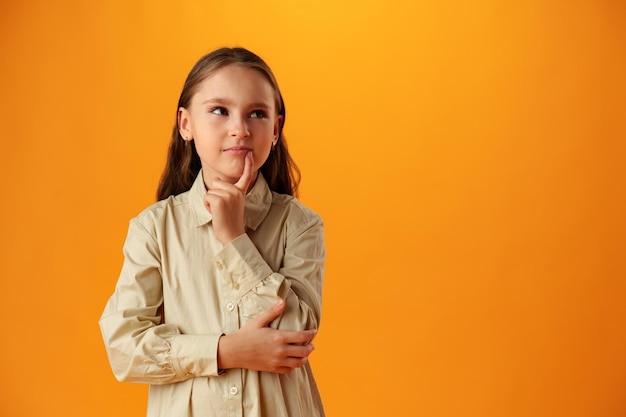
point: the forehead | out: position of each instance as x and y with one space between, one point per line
236 83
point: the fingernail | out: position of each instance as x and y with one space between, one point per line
280 303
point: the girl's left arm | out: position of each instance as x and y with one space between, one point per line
298 280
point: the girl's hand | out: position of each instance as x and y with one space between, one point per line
226 202
260 348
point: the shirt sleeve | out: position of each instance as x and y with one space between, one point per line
298 280
140 348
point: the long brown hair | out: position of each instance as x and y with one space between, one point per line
183 162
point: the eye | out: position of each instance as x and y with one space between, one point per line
258 114
220 111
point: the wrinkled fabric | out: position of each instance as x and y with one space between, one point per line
179 290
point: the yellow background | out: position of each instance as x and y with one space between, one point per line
467 157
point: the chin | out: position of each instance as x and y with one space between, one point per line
232 175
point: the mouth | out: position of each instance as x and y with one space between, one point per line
237 150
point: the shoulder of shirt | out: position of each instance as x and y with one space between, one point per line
156 211
297 212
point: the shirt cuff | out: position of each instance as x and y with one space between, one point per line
195 355
242 264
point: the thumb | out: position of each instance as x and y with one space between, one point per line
269 315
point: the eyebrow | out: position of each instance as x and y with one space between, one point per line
219 100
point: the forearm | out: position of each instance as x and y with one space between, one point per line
140 351
257 287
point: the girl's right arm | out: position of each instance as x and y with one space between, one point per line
139 346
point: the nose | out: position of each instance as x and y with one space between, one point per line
238 127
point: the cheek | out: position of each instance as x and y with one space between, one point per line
261 155
206 149
264 134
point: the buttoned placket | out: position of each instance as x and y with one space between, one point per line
233 384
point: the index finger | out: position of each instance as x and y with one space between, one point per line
246 176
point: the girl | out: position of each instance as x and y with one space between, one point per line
219 295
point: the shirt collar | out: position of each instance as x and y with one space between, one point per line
257 205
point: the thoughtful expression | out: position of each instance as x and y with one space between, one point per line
233 112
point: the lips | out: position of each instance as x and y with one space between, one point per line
237 150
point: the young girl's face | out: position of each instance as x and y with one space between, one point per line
232 113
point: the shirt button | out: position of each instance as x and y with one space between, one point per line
233 390
236 286
220 265
230 306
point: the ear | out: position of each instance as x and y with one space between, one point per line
184 124
278 125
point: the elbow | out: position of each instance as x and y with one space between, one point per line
121 365
299 315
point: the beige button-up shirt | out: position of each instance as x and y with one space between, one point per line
179 290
